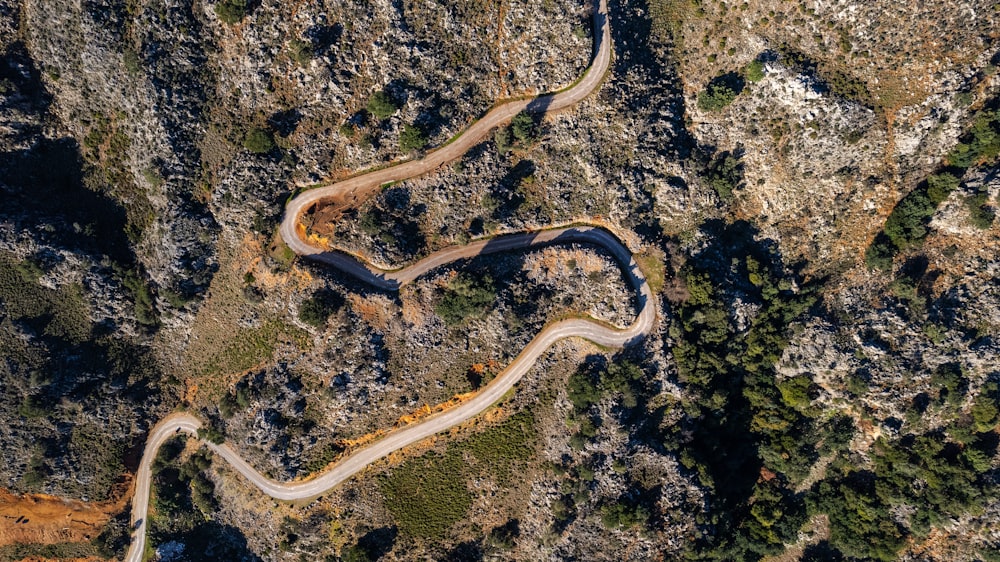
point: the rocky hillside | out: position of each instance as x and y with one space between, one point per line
811 187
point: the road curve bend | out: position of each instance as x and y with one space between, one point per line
356 189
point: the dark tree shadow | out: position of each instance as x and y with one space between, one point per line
378 542
323 37
285 122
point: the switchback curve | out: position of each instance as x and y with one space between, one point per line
356 189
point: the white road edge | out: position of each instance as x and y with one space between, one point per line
357 189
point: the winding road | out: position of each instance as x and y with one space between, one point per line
357 189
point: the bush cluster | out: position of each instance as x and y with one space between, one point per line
231 11
382 105
317 309
412 138
906 226
465 298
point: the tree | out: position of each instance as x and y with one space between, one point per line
412 138
231 11
381 105
316 310
940 185
258 141
523 127
502 140
754 71
715 97
725 174
466 297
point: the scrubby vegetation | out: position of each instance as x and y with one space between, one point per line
412 138
466 297
382 105
906 226
301 51
182 506
751 437
54 355
742 420
231 11
258 141
317 309
935 476
429 495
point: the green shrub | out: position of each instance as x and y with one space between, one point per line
300 51
503 140
986 408
231 11
754 71
621 515
211 434
381 105
880 253
466 297
951 383
980 213
133 64
34 407
412 138
716 97
145 307
523 127
582 390
258 141
907 224
317 309
980 144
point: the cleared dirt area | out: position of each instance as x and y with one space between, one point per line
38 518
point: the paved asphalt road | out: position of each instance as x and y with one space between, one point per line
357 189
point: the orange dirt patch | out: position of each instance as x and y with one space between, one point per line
44 519
427 409
376 310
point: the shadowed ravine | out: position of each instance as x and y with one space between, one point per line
358 189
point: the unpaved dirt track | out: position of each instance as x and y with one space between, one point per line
363 186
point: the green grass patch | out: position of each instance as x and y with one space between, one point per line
254 346
428 495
